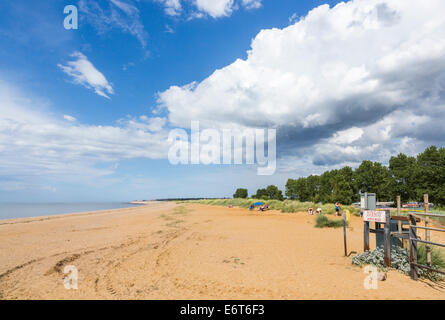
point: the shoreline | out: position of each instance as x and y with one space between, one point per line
62 215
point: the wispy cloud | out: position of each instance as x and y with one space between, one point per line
252 4
171 7
83 72
195 9
69 118
122 14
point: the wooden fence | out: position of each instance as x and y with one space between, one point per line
413 218
414 240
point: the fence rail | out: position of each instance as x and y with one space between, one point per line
429 228
413 239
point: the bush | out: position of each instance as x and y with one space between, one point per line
400 261
376 257
324 222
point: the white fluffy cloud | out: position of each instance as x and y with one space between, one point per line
358 64
34 144
215 8
83 72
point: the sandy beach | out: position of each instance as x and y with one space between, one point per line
175 251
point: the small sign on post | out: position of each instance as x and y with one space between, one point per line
374 216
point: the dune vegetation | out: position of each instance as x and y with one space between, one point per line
286 206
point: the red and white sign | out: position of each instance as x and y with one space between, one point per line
374 216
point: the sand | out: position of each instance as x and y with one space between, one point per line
198 252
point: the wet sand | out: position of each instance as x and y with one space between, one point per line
163 251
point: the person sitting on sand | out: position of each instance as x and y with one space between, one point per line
318 210
251 207
264 207
310 211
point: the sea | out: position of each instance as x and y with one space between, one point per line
26 210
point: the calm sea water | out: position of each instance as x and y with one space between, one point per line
25 210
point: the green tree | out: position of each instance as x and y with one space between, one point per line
313 187
291 189
326 188
344 188
303 189
260 193
274 193
404 171
240 193
431 175
374 177
271 192
408 177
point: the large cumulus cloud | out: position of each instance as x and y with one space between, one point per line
374 65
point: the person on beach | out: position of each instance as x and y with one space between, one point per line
318 210
311 211
337 208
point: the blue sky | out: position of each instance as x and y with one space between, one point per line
99 134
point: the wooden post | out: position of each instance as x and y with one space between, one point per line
366 236
427 232
399 213
412 247
387 239
344 233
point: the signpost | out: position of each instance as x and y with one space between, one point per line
374 216
367 202
379 217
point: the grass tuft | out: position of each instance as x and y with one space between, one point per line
323 221
437 256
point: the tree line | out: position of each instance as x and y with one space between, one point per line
409 177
